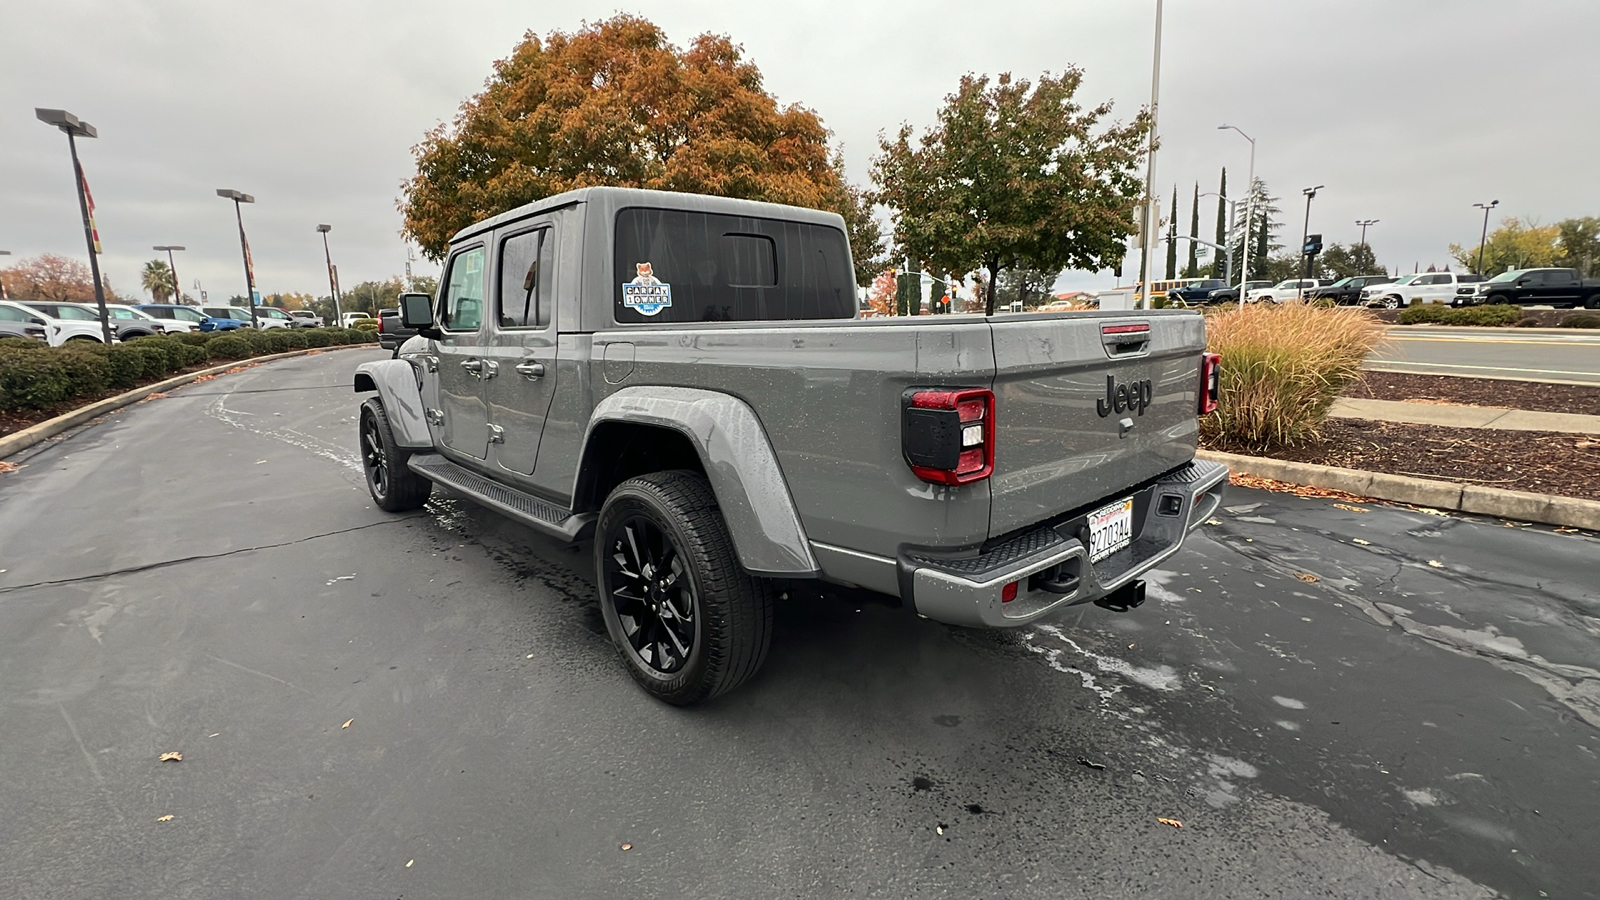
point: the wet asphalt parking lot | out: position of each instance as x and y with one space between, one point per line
1334 699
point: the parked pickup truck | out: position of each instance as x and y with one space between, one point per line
1418 287
685 379
1533 287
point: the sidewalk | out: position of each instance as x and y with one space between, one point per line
1464 416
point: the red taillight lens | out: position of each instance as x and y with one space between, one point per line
1009 592
1210 382
948 435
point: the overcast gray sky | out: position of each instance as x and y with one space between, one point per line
1409 111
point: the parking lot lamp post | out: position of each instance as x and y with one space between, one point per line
75 128
333 287
1311 194
172 266
1485 238
244 248
1149 215
1249 211
1364 223
3 294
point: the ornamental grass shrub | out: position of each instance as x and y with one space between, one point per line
1282 368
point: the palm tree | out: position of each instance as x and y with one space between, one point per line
157 279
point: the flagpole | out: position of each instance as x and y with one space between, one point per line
90 236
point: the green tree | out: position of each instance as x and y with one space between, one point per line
1014 174
1580 244
1172 237
1516 244
1219 265
908 290
1263 223
1029 285
615 103
866 236
157 279
1339 261
1192 270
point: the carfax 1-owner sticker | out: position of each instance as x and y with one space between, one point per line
645 292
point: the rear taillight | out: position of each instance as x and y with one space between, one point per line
1210 382
948 435
380 324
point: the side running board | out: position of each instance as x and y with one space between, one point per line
508 501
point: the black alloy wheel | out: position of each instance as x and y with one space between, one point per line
653 596
392 484
687 620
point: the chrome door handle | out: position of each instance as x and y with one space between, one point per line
475 366
531 370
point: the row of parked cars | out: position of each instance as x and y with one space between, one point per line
57 323
1383 291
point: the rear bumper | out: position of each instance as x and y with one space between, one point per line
1050 564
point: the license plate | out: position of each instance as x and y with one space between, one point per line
1110 529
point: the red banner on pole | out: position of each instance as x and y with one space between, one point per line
94 230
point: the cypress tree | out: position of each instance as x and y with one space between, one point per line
1219 263
1172 238
1193 269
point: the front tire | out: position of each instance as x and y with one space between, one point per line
687 620
392 484
1391 302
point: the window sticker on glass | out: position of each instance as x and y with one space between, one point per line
646 293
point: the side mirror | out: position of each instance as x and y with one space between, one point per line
416 312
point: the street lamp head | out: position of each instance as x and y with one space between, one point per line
1312 191
324 228
66 121
167 247
235 196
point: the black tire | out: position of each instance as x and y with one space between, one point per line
666 569
394 487
1391 302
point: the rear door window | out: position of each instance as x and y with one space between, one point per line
527 267
680 266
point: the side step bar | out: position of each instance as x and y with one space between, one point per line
508 501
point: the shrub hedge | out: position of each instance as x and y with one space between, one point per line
1580 320
34 376
1491 316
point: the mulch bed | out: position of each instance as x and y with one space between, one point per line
1561 398
1539 462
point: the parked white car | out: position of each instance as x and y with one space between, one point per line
273 317
305 318
57 331
1427 287
1286 290
350 318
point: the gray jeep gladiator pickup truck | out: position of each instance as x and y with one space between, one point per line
685 379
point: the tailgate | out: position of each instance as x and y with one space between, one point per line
1059 445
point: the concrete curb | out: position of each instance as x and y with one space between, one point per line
1447 495
36 434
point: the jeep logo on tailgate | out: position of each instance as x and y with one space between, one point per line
1131 397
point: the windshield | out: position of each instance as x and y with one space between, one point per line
1341 282
187 314
1407 279
1504 277
128 312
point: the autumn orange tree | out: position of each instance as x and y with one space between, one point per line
1014 174
58 279
615 103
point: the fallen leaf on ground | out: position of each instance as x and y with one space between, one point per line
1427 510
409 862
164 819
7 468
1361 542
1346 506
155 396
1213 521
1286 487
938 829
1435 563
627 846
1565 530
205 378
1173 822
347 723
1307 577
172 756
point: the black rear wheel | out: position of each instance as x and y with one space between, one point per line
394 487
687 620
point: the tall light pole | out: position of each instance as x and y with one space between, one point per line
244 248
3 294
1249 210
172 266
333 286
1150 169
1485 238
1233 225
1364 223
75 128
1311 194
